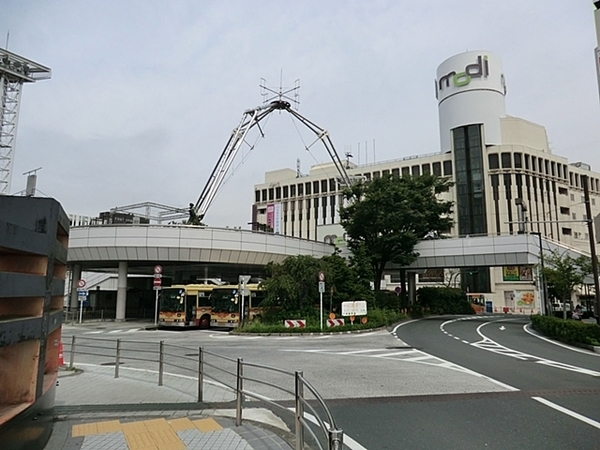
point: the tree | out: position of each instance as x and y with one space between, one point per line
563 272
387 216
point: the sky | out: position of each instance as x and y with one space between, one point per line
144 93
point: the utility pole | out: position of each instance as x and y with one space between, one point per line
590 225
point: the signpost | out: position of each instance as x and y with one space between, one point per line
81 296
353 309
157 287
321 290
243 280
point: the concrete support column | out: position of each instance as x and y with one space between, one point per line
121 291
412 287
75 276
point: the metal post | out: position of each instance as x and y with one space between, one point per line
72 359
321 308
161 361
102 315
542 278
588 213
239 391
80 308
117 358
336 439
156 309
200 375
299 411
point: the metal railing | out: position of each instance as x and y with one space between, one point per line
232 374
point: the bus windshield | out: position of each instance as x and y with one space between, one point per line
172 300
224 300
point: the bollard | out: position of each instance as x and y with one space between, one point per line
161 361
299 412
117 358
200 375
72 357
239 399
336 439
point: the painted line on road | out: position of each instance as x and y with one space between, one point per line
568 412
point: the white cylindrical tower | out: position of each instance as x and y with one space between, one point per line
470 89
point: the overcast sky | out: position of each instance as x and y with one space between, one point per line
144 94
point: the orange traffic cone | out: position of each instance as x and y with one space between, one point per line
61 356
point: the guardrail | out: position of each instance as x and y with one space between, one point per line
233 374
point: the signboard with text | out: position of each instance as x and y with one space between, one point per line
357 308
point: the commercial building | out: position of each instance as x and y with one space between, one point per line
507 180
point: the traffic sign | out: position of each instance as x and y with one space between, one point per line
157 282
157 288
81 283
158 269
321 286
243 279
321 276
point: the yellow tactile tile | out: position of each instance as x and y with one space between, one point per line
206 425
181 424
84 429
139 441
134 427
108 427
166 439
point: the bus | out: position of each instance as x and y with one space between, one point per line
226 303
185 306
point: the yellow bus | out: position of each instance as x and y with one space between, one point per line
185 306
226 303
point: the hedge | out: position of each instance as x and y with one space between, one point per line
569 331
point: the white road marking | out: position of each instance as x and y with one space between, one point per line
502 328
560 344
94 332
568 412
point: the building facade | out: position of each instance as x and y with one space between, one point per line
506 178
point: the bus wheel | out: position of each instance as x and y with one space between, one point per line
205 322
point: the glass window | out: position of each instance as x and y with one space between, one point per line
367 176
505 160
518 161
396 172
405 171
493 161
315 187
271 193
332 185
426 169
437 169
553 168
286 191
256 196
293 190
416 170
385 172
527 161
323 185
534 163
447 168
376 174
278 193
264 195
307 188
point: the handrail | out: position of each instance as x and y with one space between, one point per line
82 345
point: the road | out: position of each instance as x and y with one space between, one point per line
443 383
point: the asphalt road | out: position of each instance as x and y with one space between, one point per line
440 383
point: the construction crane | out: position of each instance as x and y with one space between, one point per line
250 119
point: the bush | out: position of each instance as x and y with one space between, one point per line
569 331
443 301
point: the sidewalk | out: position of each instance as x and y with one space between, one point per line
96 411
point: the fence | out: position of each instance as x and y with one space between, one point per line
233 374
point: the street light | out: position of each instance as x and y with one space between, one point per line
544 289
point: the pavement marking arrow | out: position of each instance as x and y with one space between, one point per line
502 328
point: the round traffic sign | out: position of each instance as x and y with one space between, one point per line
157 281
157 268
321 276
80 283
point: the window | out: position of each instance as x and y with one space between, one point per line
426 169
564 210
405 171
271 193
534 163
264 195
416 170
563 191
527 161
256 196
286 191
553 168
332 185
315 187
505 160
574 216
447 168
367 176
385 172
293 190
396 172
376 174
493 161
278 193
567 231
518 161
437 169
307 190
323 186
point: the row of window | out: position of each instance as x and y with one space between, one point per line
517 160
330 185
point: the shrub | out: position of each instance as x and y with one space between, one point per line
569 331
443 300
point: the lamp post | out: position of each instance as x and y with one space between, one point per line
588 213
544 290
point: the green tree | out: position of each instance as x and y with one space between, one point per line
563 272
386 217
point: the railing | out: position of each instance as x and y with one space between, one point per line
232 374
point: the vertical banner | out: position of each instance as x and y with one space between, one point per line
270 215
277 218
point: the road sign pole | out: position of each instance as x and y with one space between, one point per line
321 309
156 309
80 310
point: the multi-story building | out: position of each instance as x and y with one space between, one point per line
495 160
